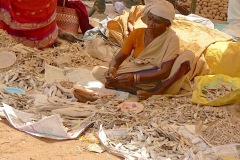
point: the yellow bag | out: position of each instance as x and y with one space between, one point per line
205 84
223 58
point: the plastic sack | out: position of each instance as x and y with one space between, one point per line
100 49
233 28
217 83
223 58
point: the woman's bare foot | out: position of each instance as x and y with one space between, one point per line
84 96
142 95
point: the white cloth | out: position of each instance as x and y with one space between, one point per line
161 8
233 10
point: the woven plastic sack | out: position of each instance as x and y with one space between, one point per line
217 83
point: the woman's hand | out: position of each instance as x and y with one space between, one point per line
125 78
110 74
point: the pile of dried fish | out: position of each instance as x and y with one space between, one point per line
21 78
33 61
179 110
59 89
20 102
6 40
225 131
153 142
213 91
73 54
159 139
28 71
152 128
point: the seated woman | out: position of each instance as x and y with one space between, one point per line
30 22
149 62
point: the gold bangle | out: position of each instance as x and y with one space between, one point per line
136 78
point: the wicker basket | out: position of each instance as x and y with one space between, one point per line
67 19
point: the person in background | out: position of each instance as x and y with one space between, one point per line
34 23
30 22
148 62
233 10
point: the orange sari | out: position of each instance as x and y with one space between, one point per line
31 22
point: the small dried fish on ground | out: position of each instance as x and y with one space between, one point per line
217 89
33 60
6 40
225 131
18 77
151 128
20 102
60 90
157 136
74 112
78 56
180 111
67 84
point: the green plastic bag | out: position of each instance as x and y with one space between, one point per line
216 90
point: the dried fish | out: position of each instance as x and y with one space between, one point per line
150 133
217 89
225 131
21 102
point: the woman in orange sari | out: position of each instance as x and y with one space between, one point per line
31 22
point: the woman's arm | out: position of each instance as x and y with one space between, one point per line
114 65
118 59
130 78
155 76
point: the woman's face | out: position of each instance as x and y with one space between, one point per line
156 22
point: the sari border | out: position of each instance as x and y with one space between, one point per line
6 17
40 44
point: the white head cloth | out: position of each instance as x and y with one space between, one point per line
161 8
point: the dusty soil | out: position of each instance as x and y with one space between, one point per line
17 145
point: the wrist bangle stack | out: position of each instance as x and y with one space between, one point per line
136 78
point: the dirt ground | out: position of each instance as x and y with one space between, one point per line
17 145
